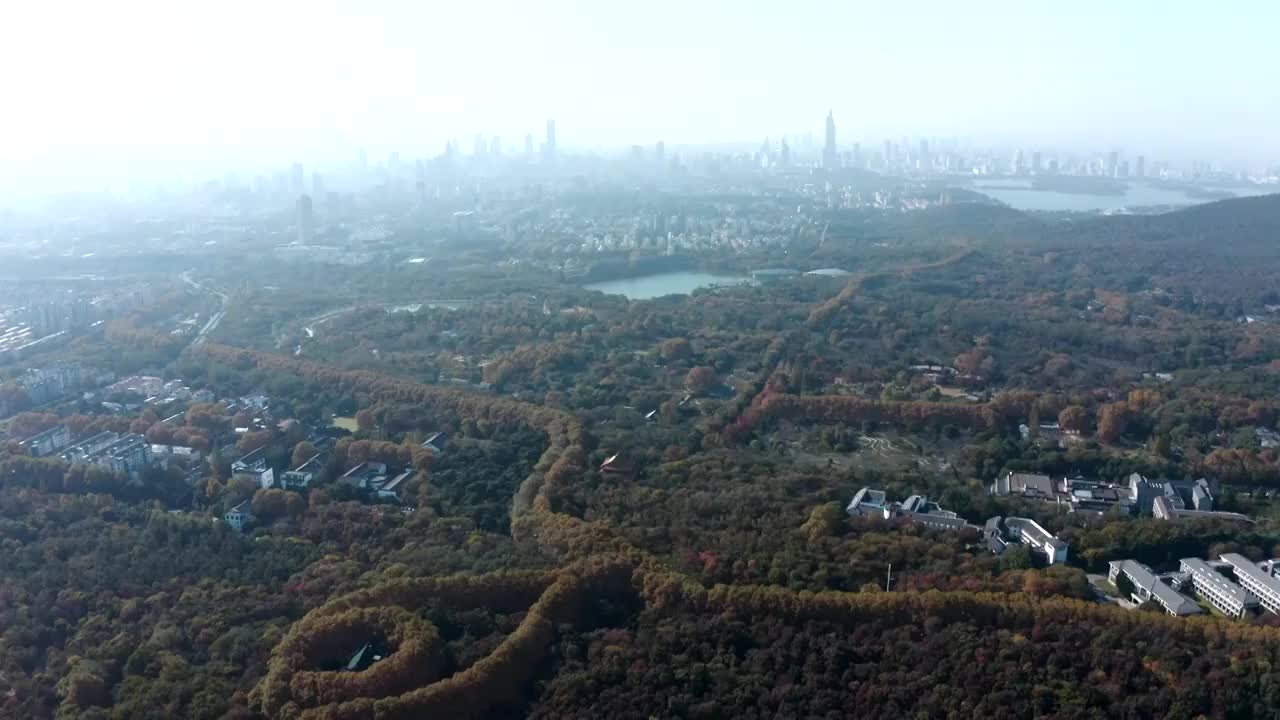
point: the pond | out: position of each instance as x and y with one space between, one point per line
645 287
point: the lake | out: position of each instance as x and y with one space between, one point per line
645 287
1017 194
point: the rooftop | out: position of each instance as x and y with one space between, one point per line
1246 567
1206 573
1142 577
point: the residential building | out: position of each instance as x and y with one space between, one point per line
238 517
1229 598
128 454
48 442
1147 586
1257 581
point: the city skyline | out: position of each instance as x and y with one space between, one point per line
158 91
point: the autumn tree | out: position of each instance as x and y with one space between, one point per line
251 441
1113 419
675 349
700 379
365 420
302 452
1074 418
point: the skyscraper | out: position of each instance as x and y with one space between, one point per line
306 219
1140 167
317 185
829 147
549 147
1035 163
1113 163
296 179
528 144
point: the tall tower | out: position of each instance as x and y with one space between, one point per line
306 219
1140 169
549 147
829 148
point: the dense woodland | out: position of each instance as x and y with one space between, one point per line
640 512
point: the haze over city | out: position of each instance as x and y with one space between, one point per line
106 94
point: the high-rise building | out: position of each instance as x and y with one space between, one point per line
1140 167
1018 165
528 144
784 154
1035 162
495 146
306 219
549 147
478 146
297 180
317 185
660 152
829 157
1113 163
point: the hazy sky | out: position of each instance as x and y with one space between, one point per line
177 86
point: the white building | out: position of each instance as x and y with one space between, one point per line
1265 587
1229 598
238 516
1029 532
1146 586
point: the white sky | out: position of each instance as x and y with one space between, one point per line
126 88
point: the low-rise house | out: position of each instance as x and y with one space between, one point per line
254 467
1229 598
915 509
238 517
435 443
365 476
1028 532
394 488
1025 484
301 476
867 502
919 509
1147 586
615 465
1163 509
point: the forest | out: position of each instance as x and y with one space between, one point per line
640 510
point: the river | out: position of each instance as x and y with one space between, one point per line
645 287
